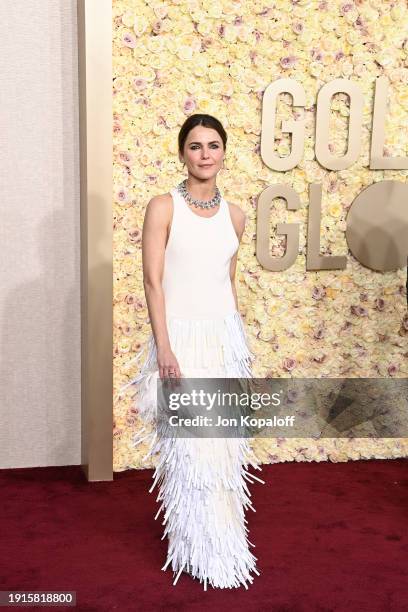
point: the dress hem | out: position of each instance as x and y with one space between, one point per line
201 482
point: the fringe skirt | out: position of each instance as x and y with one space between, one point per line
201 481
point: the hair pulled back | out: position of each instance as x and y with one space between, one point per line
200 119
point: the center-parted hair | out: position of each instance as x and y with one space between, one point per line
204 120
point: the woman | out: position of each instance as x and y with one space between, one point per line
189 245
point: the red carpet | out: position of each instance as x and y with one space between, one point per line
329 537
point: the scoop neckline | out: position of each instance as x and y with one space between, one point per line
195 214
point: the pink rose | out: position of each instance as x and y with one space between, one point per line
157 27
122 195
289 364
358 310
318 293
288 62
345 8
189 106
139 83
129 40
125 157
135 235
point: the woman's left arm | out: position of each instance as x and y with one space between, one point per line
238 218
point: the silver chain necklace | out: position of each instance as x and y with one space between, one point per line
182 188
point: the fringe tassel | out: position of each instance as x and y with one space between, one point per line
201 481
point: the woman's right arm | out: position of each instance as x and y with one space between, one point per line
155 227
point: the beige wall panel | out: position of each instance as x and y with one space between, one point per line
40 235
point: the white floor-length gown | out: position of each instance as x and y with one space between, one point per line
202 486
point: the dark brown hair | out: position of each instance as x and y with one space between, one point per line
204 120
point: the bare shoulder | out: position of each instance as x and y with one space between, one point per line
161 202
160 206
238 218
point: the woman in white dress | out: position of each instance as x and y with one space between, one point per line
189 246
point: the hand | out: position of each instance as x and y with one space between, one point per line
167 363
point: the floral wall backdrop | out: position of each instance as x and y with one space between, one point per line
172 59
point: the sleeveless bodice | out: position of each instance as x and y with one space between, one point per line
196 275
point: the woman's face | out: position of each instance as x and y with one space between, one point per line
203 152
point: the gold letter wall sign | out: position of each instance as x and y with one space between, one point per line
377 220
290 230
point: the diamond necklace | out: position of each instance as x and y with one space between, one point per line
182 188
